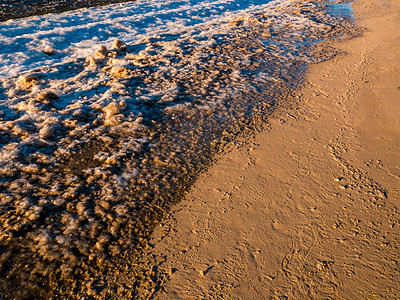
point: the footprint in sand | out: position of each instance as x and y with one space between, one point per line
303 240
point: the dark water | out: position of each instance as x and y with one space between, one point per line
26 8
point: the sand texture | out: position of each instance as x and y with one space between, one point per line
308 209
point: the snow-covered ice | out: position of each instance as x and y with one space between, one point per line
23 43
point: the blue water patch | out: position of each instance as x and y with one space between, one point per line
340 9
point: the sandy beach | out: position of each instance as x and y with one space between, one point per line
204 149
109 114
308 209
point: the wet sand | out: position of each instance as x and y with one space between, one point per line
308 209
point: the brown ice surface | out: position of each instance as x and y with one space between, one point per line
26 8
308 209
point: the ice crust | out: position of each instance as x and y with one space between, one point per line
77 33
102 133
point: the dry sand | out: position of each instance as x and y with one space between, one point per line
309 208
